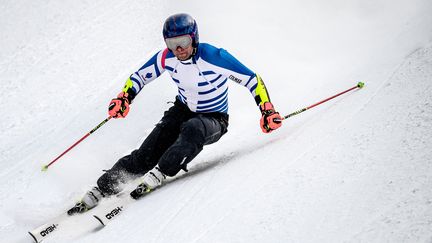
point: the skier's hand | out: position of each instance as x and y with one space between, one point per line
119 107
270 120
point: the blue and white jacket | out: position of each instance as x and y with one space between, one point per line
202 80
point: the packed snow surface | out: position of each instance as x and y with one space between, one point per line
355 169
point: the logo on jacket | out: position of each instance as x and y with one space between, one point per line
235 79
148 75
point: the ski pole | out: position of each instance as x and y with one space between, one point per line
358 86
45 167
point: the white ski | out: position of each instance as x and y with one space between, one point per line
110 211
106 213
44 231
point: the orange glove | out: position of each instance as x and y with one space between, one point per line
270 120
119 107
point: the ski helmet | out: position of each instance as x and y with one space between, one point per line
181 24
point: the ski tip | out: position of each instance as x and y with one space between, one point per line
44 168
100 220
34 238
360 85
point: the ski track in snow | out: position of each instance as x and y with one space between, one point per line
184 204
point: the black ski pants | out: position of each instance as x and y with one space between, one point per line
178 137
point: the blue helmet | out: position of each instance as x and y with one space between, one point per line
181 24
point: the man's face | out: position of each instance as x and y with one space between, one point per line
183 53
181 46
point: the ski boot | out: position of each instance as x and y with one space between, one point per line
89 201
150 181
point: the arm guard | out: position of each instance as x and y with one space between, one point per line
128 88
261 94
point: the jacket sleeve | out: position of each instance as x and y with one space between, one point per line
242 75
152 69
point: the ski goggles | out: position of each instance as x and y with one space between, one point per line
183 41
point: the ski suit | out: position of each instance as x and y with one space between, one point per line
198 117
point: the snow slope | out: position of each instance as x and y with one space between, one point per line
356 169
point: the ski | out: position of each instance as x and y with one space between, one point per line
107 213
44 231
57 224
104 215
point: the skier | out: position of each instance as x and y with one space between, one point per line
198 117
